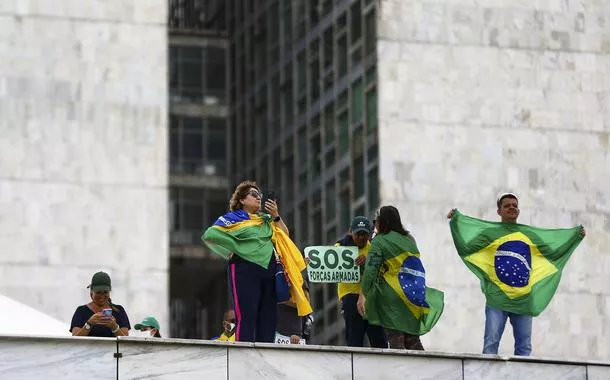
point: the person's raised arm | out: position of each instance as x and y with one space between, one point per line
477 243
272 208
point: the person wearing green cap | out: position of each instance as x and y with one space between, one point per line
355 326
149 327
100 317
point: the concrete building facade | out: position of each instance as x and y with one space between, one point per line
479 98
83 153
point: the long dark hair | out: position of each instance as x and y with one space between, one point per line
388 219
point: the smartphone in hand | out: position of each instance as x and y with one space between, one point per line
107 313
271 195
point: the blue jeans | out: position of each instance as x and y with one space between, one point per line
495 320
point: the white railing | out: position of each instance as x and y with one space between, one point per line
31 357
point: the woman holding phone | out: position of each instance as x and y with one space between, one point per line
253 241
100 317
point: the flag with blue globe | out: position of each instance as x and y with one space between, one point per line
519 266
394 283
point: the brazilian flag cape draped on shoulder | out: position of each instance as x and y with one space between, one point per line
394 284
253 237
519 266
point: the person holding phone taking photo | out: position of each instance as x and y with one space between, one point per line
251 235
100 317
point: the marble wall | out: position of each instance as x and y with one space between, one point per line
476 98
138 358
83 153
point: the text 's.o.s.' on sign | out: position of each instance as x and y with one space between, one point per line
332 264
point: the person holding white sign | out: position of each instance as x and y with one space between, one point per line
355 326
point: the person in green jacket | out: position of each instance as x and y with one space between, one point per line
394 289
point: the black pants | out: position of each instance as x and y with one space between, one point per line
254 301
356 327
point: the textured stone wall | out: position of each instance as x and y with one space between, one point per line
481 97
83 153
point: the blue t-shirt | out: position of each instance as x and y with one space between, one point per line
83 313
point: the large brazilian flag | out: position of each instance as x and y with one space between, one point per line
519 266
394 283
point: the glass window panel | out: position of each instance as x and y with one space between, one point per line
331 208
358 142
192 146
216 209
343 134
371 37
315 159
330 158
371 75
371 110
356 22
193 217
331 236
342 100
192 124
303 146
174 146
304 223
327 7
192 78
359 177
317 228
215 78
329 124
345 213
314 8
373 189
328 47
217 139
357 107
191 53
342 56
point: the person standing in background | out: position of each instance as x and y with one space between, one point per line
355 326
149 327
228 327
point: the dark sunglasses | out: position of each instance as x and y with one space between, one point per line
255 194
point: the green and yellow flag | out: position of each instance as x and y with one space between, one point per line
394 284
253 237
519 266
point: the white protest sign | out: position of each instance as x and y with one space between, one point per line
283 339
332 264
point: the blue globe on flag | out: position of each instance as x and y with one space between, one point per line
412 280
513 263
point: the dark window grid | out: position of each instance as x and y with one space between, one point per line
197 74
325 97
192 210
198 145
288 56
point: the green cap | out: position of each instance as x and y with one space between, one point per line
100 282
148 322
361 224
